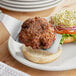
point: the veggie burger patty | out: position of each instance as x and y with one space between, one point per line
37 33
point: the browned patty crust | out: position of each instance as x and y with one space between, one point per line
37 33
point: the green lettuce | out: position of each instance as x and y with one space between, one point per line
64 36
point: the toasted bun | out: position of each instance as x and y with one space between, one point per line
39 56
69 40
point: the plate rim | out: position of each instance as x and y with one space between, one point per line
29 10
19 3
31 6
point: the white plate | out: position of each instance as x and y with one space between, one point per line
28 10
27 2
30 6
66 61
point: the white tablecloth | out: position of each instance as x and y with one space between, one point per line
6 70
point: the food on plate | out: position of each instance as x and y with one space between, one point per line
37 35
65 24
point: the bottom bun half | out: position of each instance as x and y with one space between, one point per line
69 40
40 56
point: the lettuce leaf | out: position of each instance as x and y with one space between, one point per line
64 36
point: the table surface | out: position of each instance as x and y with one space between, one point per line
8 59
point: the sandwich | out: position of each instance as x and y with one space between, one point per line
37 35
65 24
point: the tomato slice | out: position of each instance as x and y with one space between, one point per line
69 30
66 31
